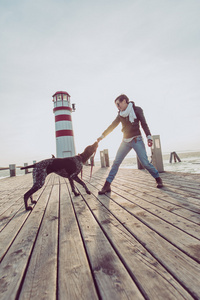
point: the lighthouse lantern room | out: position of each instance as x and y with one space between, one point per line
65 146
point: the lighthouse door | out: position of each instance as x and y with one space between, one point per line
67 153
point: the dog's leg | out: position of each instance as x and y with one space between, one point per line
73 187
77 179
33 201
28 195
38 181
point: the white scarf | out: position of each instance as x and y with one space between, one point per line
129 112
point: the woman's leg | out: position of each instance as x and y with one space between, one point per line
123 150
139 148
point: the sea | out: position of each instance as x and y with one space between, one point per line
190 163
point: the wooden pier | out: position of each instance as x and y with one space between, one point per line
138 242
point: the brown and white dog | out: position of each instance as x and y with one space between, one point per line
68 167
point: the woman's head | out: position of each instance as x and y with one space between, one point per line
121 98
122 102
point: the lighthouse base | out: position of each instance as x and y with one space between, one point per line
65 147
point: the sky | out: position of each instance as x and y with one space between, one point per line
95 51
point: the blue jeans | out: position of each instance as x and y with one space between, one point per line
139 147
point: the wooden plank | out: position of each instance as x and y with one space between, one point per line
182 180
11 228
183 176
14 191
16 207
10 212
8 234
182 267
148 188
13 265
41 278
112 279
179 222
174 260
13 182
185 207
189 210
126 246
184 186
152 278
75 280
185 242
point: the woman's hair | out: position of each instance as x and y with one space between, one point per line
121 98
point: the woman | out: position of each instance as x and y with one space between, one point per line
131 117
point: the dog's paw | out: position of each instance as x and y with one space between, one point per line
29 208
88 192
76 194
33 201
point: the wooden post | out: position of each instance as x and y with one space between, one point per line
26 170
176 157
106 157
102 158
156 153
12 168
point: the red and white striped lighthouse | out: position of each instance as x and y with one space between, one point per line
65 146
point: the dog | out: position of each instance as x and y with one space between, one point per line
68 167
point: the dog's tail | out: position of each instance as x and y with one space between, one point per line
28 167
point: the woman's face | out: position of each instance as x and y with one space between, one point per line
121 105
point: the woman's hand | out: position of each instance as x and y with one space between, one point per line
150 143
100 138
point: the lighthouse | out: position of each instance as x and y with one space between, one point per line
65 146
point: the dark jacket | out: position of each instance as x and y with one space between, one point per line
130 129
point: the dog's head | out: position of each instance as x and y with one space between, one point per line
89 150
